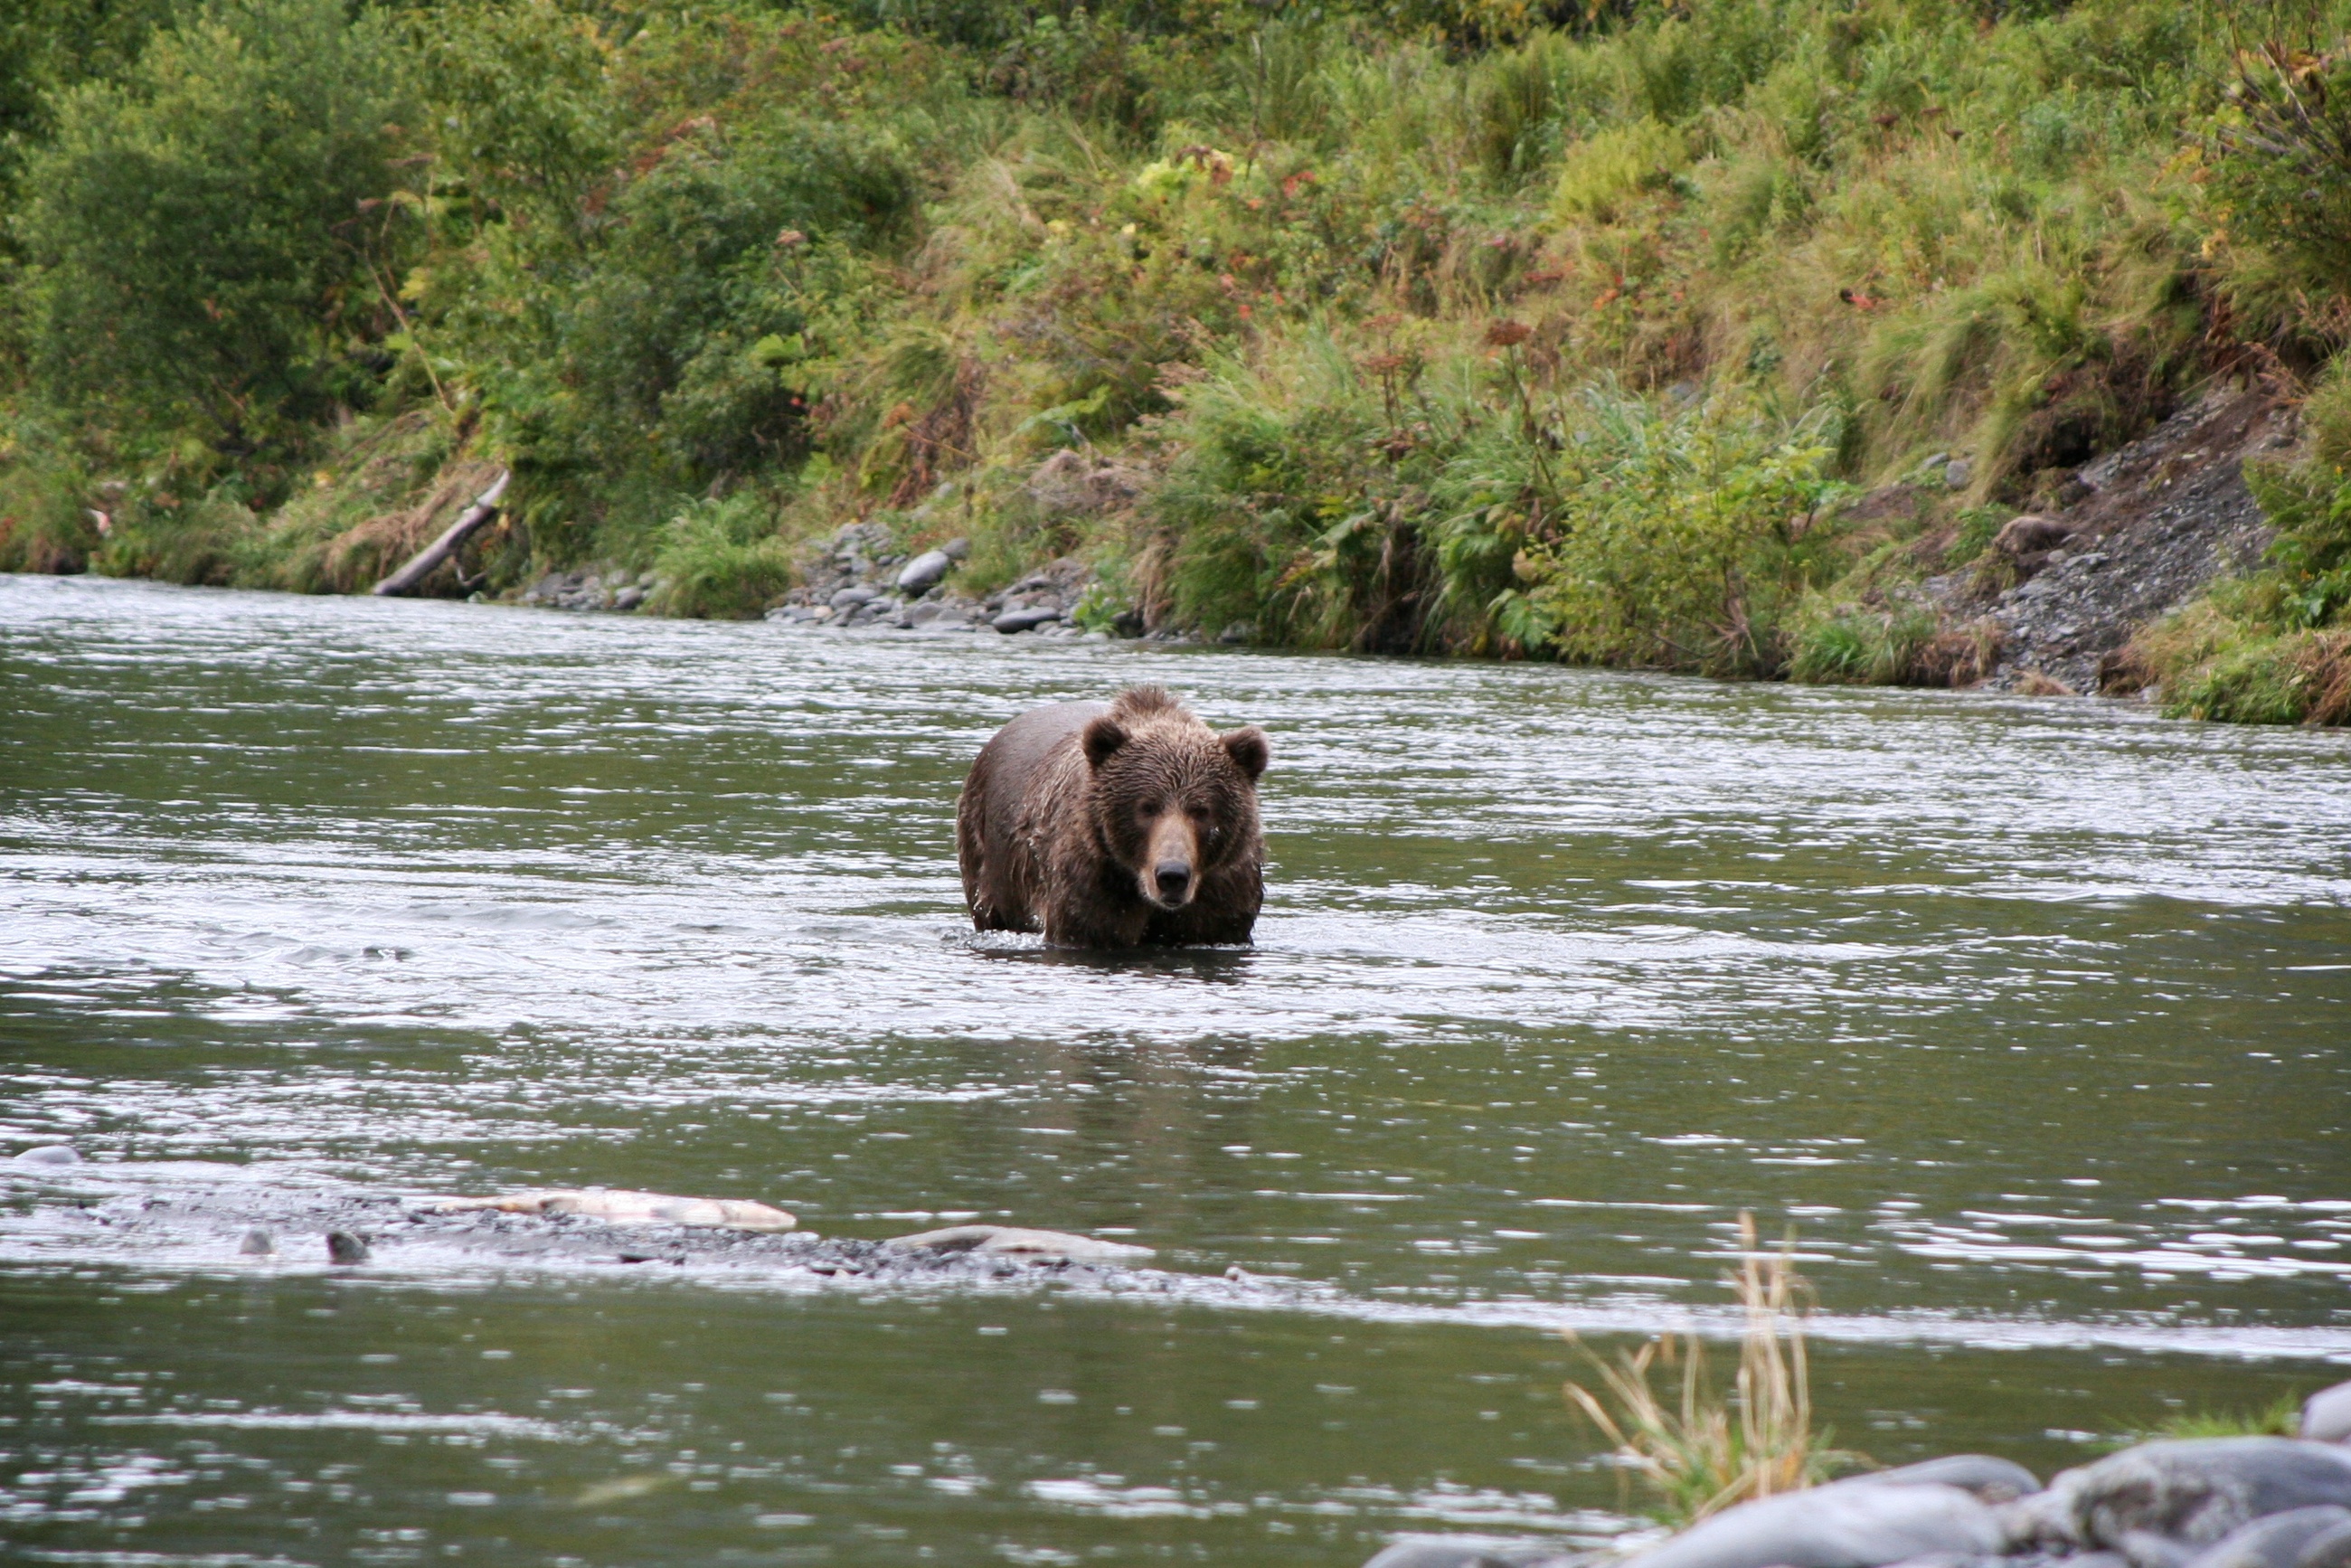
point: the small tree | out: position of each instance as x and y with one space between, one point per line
195 233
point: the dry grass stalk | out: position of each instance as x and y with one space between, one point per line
1702 1453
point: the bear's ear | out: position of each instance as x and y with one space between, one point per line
1103 737
1247 748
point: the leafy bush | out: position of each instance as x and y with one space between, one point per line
1672 539
203 238
45 521
1602 172
722 560
2281 158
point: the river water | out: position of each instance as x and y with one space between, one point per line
2032 1020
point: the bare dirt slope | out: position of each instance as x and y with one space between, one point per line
2162 519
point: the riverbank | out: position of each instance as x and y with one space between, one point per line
1702 338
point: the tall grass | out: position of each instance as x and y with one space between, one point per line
2281 1418
1701 1451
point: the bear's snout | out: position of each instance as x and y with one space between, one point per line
1168 859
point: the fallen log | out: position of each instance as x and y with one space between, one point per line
484 507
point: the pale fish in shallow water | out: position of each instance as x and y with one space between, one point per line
618 1207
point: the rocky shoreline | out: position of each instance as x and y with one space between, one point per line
2212 1502
174 1215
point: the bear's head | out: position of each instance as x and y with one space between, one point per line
1172 800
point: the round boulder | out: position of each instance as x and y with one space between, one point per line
1470 1552
1987 1478
2326 1415
1013 620
1867 1522
2330 1547
2275 1541
2196 1492
925 571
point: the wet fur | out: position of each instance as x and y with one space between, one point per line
1050 836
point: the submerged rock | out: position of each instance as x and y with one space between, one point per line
342 1247
256 1244
1011 1241
50 1154
1867 1522
621 1207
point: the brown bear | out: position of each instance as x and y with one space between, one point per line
1115 825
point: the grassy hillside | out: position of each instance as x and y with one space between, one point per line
1472 326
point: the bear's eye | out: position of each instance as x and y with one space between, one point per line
1153 808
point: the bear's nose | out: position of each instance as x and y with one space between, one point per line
1173 876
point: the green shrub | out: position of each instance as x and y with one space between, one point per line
207 540
1859 648
1672 539
721 560
2280 158
204 239
45 521
1605 171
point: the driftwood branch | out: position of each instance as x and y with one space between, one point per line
484 507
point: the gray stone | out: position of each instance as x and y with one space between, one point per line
1958 472
1991 1479
922 615
1861 1523
956 549
2326 1415
1013 620
628 597
2327 1548
1470 1552
2275 1541
1012 1241
2195 1492
256 1244
342 1247
50 1154
924 572
852 596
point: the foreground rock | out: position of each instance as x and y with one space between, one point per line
2219 1502
2157 1503
2326 1415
